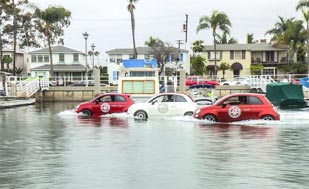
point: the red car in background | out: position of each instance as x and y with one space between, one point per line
238 107
107 103
196 80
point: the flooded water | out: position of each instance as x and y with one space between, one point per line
49 146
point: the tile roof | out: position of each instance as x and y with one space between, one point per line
56 49
61 67
249 47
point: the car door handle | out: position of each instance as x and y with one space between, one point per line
246 109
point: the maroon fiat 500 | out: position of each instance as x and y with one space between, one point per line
105 104
238 107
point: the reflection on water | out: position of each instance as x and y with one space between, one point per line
49 146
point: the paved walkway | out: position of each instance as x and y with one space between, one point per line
6 102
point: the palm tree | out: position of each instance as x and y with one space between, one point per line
131 8
288 32
223 67
224 40
250 38
217 21
50 23
197 46
303 6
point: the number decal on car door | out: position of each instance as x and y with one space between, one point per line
105 107
234 112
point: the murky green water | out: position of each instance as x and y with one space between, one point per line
48 146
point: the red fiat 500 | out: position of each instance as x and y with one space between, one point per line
238 107
105 104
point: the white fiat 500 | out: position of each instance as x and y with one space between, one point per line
164 105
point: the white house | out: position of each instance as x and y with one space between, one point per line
115 57
68 64
20 62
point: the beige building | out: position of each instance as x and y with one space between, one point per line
242 56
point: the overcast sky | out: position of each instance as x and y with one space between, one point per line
108 21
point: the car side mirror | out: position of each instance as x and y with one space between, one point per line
224 104
97 101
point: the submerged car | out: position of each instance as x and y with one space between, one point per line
238 107
107 103
164 105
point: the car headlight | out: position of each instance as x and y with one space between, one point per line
197 111
76 108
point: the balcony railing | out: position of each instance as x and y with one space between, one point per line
258 60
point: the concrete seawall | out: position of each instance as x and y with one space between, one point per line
78 94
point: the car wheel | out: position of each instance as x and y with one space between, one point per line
141 114
188 114
268 117
210 117
86 113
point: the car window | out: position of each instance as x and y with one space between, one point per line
254 100
158 99
168 98
119 98
236 100
179 98
106 98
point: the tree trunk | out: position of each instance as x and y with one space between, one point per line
51 59
133 33
215 49
14 37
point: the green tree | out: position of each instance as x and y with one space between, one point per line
303 6
224 40
131 7
3 18
50 23
223 67
288 32
198 65
161 51
217 21
7 60
197 46
250 39
256 69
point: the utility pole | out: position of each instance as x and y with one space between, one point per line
185 29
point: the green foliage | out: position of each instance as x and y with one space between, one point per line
295 68
197 46
198 65
256 69
223 67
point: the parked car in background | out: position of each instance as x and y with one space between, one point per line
237 81
195 80
107 103
204 101
83 83
238 107
164 105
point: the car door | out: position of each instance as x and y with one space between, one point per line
160 106
256 107
105 105
120 104
234 110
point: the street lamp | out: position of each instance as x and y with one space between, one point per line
92 47
86 37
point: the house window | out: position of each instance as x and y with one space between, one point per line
61 57
115 75
211 55
33 58
46 58
131 56
40 58
238 54
270 56
231 55
119 58
75 57
112 58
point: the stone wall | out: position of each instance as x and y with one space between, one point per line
79 94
